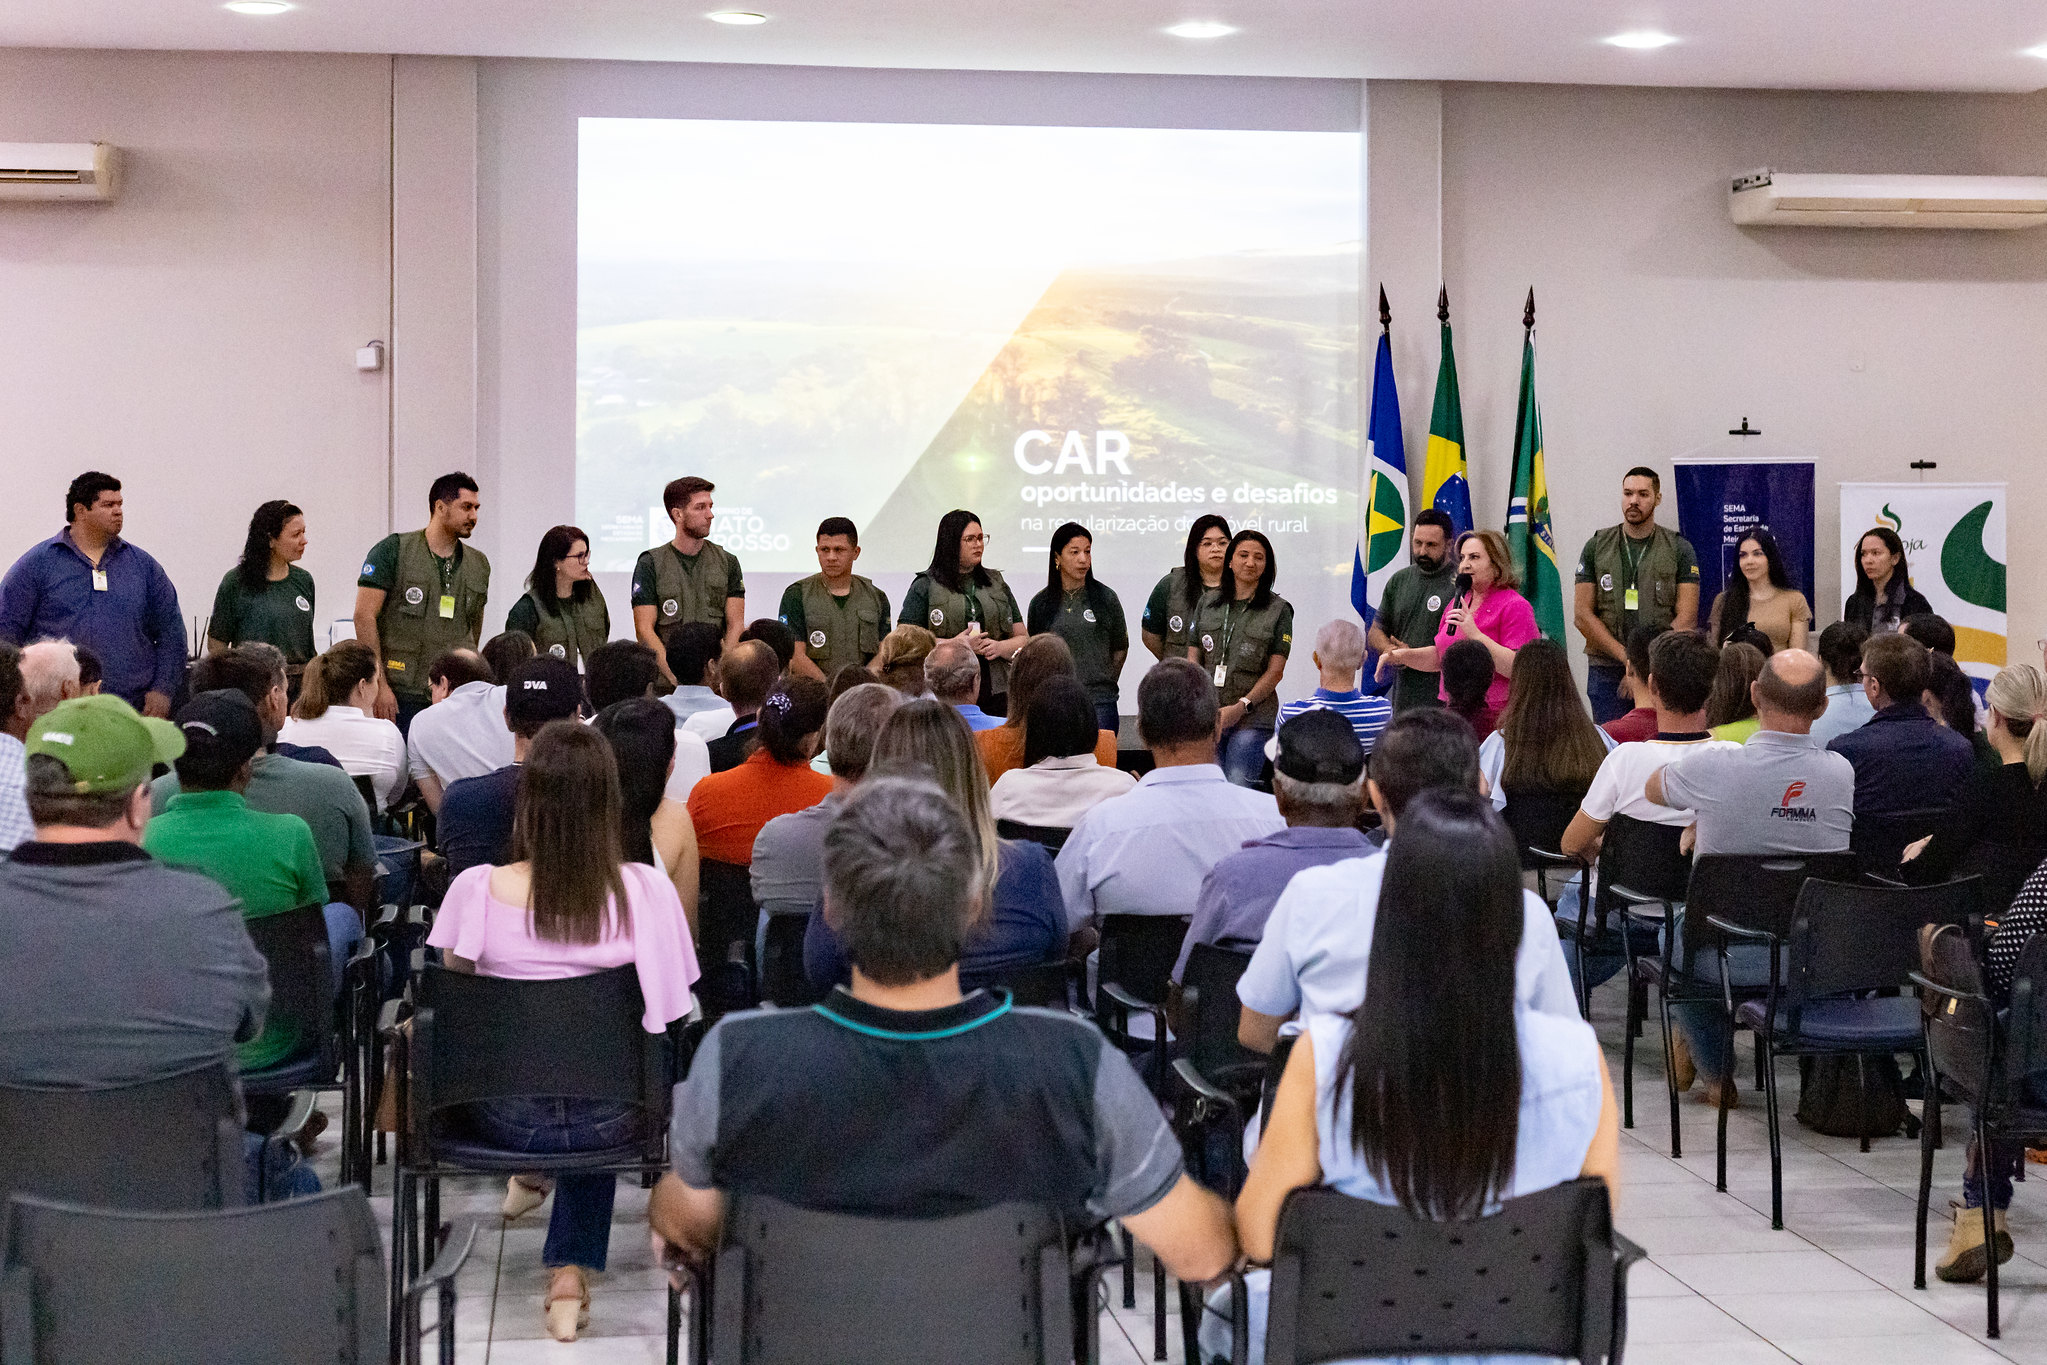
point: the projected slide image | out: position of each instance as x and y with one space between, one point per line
1121 327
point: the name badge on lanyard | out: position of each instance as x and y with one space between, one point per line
1631 600
447 606
1222 673
99 580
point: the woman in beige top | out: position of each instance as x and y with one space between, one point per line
1761 595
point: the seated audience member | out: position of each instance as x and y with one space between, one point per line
900 660
729 808
320 794
1730 710
1904 760
337 711
266 862
268 658
49 674
954 674
1639 723
775 636
1503 1101
121 969
1061 778
2000 814
566 903
788 854
1950 698
1024 922
846 679
748 674
1930 630
1147 851
936 1130
655 827
1339 654
90 673
1781 792
1546 747
1043 657
694 649
1848 705
1318 779
15 826
477 813
506 650
1318 939
619 670
462 732
1467 677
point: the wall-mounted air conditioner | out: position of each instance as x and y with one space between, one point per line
1768 198
58 170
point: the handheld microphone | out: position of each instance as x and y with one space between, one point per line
1463 593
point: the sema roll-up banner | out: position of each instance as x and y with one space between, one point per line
1721 500
1954 554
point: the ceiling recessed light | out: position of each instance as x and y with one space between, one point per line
2040 52
1642 40
736 16
257 6
1202 28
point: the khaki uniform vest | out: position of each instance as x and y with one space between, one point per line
579 628
946 617
1181 611
1248 636
1654 577
689 589
410 626
841 631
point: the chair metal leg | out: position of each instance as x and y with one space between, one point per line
1759 1065
1862 1096
1129 1268
1635 1010
1670 1074
1928 1128
1776 1141
1720 1119
1158 1309
263 1170
674 1326
1989 1221
399 1236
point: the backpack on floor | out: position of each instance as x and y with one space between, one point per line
1830 1101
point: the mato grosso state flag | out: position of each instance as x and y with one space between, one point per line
1382 550
1530 541
1446 481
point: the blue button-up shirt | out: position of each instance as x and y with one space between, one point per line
134 626
1145 852
1239 892
1905 761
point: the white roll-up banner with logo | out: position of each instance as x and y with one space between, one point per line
1954 551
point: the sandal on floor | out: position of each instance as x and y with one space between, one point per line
568 1302
522 1198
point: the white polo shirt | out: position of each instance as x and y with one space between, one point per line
1617 789
692 765
363 745
462 735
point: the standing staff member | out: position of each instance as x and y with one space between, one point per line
838 618
562 610
1884 595
1169 612
1086 614
267 597
961 595
87 585
422 592
691 578
1633 574
1242 637
1761 595
1412 608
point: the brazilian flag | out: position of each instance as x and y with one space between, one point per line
1446 484
1530 540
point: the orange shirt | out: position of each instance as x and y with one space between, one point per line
729 808
1002 749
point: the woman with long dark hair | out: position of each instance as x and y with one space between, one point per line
1884 595
1545 746
1042 658
1169 611
960 595
569 903
1060 777
654 828
1438 1093
1083 611
562 610
1760 595
1241 637
266 596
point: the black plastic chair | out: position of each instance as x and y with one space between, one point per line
1977 1061
999 1286
1640 865
1879 840
782 979
277 1284
169 1144
1538 817
476 1038
328 1056
726 921
1051 836
1845 942
1545 1275
1041 985
1219 1079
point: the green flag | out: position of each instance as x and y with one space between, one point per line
1529 538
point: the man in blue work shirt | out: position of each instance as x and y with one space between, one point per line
89 586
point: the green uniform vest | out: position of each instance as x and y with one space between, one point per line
947 617
410 626
579 628
1248 637
1181 609
1654 576
840 631
689 589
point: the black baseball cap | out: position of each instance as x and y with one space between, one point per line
542 689
1318 745
221 730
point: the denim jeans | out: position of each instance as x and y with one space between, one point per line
344 931
1603 690
1703 1023
579 1229
1243 754
1108 717
2004 1157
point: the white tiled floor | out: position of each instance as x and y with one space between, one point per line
1833 1288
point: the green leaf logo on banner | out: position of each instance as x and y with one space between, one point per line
1891 519
1966 567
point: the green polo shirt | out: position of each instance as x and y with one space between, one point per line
280 613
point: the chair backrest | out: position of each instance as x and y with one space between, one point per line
1051 836
795 1286
1043 985
300 1280
367 785
726 920
2026 1019
1644 856
1210 1011
1758 892
168 1144
294 945
1353 1278
782 979
2002 868
1538 816
1857 938
1879 840
1138 952
484 1037
1961 1035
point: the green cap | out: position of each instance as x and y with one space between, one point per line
104 744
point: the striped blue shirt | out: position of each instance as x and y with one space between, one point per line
1367 715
